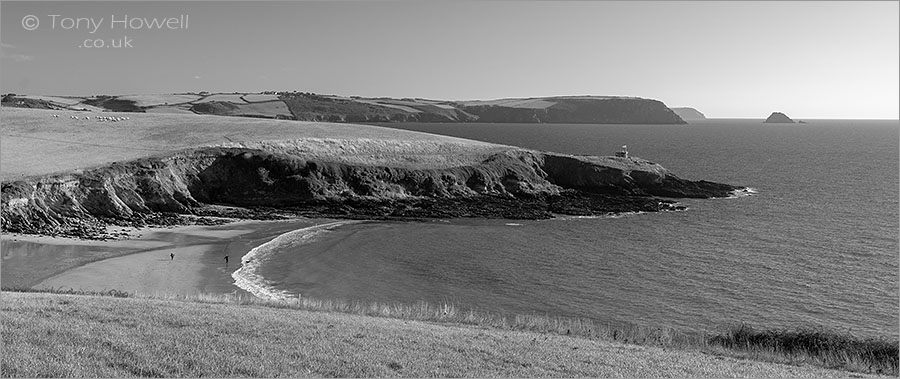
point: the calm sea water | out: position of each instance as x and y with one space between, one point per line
817 246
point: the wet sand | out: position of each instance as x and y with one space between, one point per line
142 262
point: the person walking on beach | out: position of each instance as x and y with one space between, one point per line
226 260
172 256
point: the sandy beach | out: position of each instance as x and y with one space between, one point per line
140 263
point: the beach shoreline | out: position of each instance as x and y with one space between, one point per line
140 261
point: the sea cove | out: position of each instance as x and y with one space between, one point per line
812 248
797 253
449 189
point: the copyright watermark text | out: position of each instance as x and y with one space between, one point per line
111 23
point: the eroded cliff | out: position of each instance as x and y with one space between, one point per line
515 183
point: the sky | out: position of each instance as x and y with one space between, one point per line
808 59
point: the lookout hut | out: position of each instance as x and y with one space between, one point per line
623 153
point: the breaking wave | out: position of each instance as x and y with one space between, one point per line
247 277
743 192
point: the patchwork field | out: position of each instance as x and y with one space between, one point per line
256 97
263 109
66 101
389 105
236 98
181 109
160 99
513 103
87 107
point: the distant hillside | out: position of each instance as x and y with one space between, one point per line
305 106
688 113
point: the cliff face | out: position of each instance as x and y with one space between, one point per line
579 111
183 182
689 114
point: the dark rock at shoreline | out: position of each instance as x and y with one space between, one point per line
569 202
778 118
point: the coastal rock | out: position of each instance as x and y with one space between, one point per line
689 114
516 183
778 118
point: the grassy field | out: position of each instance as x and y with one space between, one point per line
378 152
73 335
265 109
389 105
35 143
181 109
256 97
152 100
55 99
513 103
227 97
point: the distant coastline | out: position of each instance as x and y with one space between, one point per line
307 106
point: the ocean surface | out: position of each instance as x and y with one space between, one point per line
816 246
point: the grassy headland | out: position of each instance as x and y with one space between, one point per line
36 143
70 174
68 335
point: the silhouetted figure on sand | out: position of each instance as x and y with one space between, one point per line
226 260
172 256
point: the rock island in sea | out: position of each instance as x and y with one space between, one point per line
778 118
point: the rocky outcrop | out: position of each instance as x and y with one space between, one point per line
778 118
512 184
689 114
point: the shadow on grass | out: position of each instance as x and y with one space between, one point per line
814 345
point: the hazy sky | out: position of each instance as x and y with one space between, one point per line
728 59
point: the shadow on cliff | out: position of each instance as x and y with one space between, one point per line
516 183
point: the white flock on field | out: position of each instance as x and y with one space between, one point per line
99 118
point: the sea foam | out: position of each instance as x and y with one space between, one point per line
247 276
743 192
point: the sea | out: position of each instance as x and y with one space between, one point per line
816 245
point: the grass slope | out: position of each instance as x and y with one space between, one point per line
35 143
52 335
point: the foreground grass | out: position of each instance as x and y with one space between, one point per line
821 347
60 335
